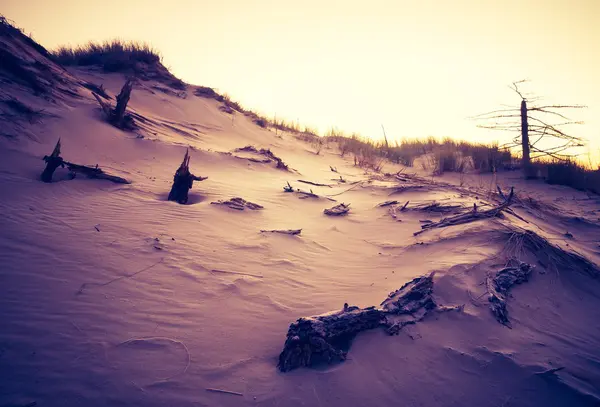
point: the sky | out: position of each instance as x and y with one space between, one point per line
419 68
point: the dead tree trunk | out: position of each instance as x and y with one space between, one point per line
118 116
525 140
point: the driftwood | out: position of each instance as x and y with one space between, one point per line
338 210
288 188
95 173
54 160
469 217
292 232
500 284
183 181
326 338
117 116
238 204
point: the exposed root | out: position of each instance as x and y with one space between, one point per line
238 204
500 284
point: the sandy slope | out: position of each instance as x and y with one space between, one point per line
111 295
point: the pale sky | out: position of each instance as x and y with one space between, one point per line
419 68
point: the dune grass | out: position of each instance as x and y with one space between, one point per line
113 56
117 55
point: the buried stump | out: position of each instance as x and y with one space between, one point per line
183 181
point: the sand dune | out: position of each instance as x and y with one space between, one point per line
112 295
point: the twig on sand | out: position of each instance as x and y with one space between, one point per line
388 203
549 372
468 217
288 188
333 169
292 232
314 183
235 393
356 184
236 272
84 285
163 338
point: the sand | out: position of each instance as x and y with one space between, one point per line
112 295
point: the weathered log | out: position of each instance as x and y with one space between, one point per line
183 181
500 284
325 338
338 210
53 161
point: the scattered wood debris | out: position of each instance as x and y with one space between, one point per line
324 338
292 232
500 284
333 169
469 217
270 156
239 204
338 210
